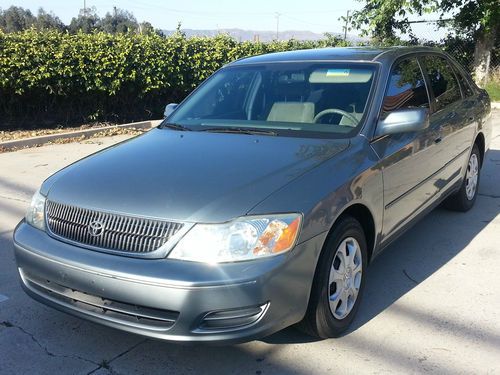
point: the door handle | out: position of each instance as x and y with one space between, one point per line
438 139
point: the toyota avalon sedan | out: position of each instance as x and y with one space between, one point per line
261 199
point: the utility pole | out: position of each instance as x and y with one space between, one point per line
345 28
85 8
277 15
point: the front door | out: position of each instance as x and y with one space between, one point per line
407 159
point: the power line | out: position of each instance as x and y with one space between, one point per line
194 12
318 11
432 21
143 4
304 22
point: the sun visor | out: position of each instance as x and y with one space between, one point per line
340 75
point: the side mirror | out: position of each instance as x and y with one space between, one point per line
403 121
169 109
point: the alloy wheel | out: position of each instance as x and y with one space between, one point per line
345 278
471 177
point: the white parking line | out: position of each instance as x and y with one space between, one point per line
3 298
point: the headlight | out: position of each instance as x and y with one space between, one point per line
245 238
36 212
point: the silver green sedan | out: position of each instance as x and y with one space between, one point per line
261 199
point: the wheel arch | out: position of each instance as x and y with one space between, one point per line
365 217
481 144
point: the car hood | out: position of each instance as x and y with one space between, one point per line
188 176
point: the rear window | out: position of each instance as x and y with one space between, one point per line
464 84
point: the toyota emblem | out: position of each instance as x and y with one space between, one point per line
95 228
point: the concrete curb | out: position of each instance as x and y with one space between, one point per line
41 140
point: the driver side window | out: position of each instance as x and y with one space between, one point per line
406 88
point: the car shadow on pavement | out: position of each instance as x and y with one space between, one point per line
418 254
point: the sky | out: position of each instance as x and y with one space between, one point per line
314 15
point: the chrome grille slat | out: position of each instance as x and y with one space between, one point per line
121 233
63 225
104 238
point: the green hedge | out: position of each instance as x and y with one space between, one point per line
53 77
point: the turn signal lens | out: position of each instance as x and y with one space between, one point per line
287 237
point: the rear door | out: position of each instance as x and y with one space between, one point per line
454 116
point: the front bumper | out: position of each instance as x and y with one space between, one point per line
168 299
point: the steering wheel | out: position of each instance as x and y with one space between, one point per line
349 116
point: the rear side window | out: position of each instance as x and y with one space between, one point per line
443 82
406 87
464 85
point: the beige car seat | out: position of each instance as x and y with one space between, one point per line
292 112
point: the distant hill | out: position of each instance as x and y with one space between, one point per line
263 36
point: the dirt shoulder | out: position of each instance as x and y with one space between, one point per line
20 139
10 135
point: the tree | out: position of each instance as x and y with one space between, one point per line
480 20
16 19
46 20
121 21
146 28
87 21
477 19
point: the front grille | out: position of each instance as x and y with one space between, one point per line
108 231
108 309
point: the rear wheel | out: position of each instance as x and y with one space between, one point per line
464 199
339 281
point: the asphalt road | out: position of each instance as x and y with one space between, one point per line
432 302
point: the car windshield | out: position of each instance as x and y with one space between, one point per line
297 99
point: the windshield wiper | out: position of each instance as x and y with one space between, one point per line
224 129
173 126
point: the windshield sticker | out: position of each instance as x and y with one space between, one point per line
338 72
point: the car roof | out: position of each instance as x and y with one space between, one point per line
335 54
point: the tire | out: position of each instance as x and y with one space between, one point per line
325 319
464 199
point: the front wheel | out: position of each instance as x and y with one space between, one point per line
339 281
464 199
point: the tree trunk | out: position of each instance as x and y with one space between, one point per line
485 41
